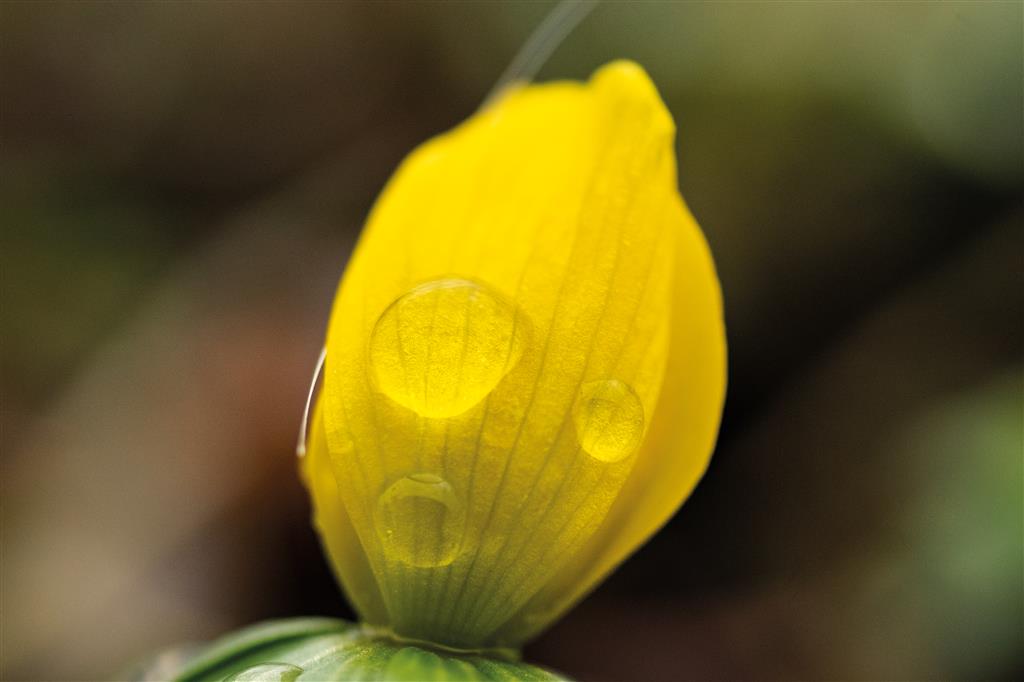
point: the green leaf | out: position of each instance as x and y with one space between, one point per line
324 649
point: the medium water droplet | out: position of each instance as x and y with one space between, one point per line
440 348
267 672
609 419
420 520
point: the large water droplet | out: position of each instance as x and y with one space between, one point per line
420 521
440 348
609 419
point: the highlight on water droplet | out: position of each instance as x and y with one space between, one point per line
440 348
609 419
420 520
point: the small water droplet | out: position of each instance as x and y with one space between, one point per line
267 672
609 419
440 348
420 520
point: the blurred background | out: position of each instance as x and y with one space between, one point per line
182 185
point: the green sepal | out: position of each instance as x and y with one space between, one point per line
325 650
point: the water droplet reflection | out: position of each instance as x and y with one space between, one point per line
420 521
609 420
440 348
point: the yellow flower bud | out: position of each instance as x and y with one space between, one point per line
525 366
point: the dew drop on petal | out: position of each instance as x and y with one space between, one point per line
420 521
440 348
609 420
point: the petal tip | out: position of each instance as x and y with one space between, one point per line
625 80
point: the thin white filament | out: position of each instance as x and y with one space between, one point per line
544 40
300 448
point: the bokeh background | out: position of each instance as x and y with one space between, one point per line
182 185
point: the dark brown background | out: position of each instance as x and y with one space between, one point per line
182 184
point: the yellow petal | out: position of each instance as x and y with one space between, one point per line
678 445
335 528
495 357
